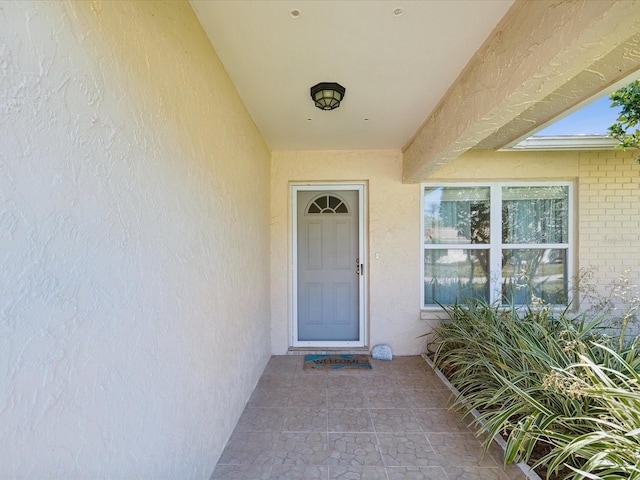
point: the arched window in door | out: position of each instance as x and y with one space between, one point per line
326 203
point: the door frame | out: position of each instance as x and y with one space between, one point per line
294 188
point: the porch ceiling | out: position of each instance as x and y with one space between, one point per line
395 68
440 79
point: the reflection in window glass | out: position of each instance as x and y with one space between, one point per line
535 214
515 251
451 275
529 274
456 215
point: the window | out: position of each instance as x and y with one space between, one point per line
498 242
327 204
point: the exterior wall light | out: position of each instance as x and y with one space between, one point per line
327 96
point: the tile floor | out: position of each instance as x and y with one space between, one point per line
387 423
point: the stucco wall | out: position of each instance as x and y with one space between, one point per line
134 244
394 304
607 224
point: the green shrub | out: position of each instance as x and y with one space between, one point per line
531 374
610 448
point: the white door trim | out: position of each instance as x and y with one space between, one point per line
360 187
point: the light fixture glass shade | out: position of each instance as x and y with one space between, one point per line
327 95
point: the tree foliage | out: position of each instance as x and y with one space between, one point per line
625 129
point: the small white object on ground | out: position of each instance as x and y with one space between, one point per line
382 352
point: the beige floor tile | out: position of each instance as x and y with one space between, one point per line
354 449
475 473
416 381
269 397
275 367
390 420
406 450
261 420
295 472
416 473
285 360
353 472
302 448
311 380
384 382
388 423
346 398
350 420
425 398
307 397
385 398
460 449
347 381
275 381
313 419
241 472
440 420
250 448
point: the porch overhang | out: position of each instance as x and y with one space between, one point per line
542 59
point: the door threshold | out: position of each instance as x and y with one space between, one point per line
328 350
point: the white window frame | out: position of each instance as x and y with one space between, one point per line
495 245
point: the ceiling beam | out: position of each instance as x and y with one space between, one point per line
543 58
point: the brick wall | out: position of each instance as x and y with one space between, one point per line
609 216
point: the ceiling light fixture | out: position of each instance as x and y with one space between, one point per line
327 95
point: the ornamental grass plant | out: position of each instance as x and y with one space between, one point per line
563 393
609 446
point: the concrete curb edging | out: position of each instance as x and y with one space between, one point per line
524 468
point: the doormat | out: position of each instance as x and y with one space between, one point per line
336 362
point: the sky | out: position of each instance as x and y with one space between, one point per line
593 119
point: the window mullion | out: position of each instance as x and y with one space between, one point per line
495 274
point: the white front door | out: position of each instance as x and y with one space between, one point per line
328 266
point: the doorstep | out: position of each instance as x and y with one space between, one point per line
326 351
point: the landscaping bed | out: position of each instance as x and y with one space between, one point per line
561 394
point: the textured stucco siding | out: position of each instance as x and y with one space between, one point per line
606 222
543 58
134 243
